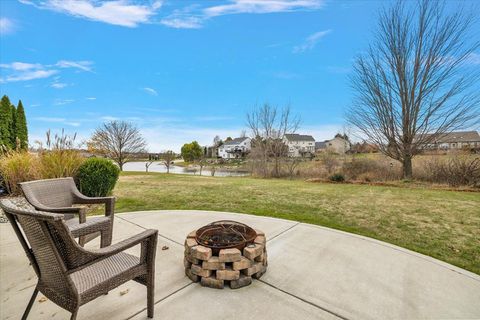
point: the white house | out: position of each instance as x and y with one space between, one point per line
299 145
236 148
337 145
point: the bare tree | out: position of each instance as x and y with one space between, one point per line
213 169
414 84
118 140
202 162
292 164
167 158
147 165
268 125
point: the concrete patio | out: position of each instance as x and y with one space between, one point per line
313 273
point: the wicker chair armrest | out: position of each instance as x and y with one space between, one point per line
108 201
145 238
127 243
58 210
90 226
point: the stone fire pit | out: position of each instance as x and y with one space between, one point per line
225 252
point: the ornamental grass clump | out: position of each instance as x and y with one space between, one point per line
16 167
59 159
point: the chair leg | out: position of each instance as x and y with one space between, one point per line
150 298
81 241
74 315
30 304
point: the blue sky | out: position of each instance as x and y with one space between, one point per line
180 70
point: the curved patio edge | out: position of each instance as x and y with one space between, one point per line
425 257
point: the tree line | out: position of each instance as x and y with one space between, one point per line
13 125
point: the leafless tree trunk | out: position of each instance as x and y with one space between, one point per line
118 140
147 165
213 169
268 125
415 83
167 158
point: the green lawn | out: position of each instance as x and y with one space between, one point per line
442 224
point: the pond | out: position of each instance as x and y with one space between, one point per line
160 167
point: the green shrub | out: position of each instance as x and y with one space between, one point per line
337 177
16 167
97 177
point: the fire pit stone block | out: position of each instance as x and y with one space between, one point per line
199 271
260 273
257 267
241 282
230 255
213 264
244 263
228 274
192 235
191 259
212 282
261 240
259 232
201 252
191 276
252 251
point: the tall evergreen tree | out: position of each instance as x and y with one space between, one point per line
13 130
5 122
21 126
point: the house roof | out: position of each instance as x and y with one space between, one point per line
459 136
320 145
298 137
235 141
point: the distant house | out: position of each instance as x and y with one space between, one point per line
236 148
299 145
455 140
338 145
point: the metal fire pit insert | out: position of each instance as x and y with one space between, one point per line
225 234
225 252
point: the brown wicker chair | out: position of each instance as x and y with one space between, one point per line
70 275
59 196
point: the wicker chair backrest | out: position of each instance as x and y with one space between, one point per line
55 193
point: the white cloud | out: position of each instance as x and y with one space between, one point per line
58 85
109 118
151 91
262 6
22 71
91 98
61 102
28 75
473 58
193 17
311 41
21 66
73 124
6 26
117 12
82 65
182 21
